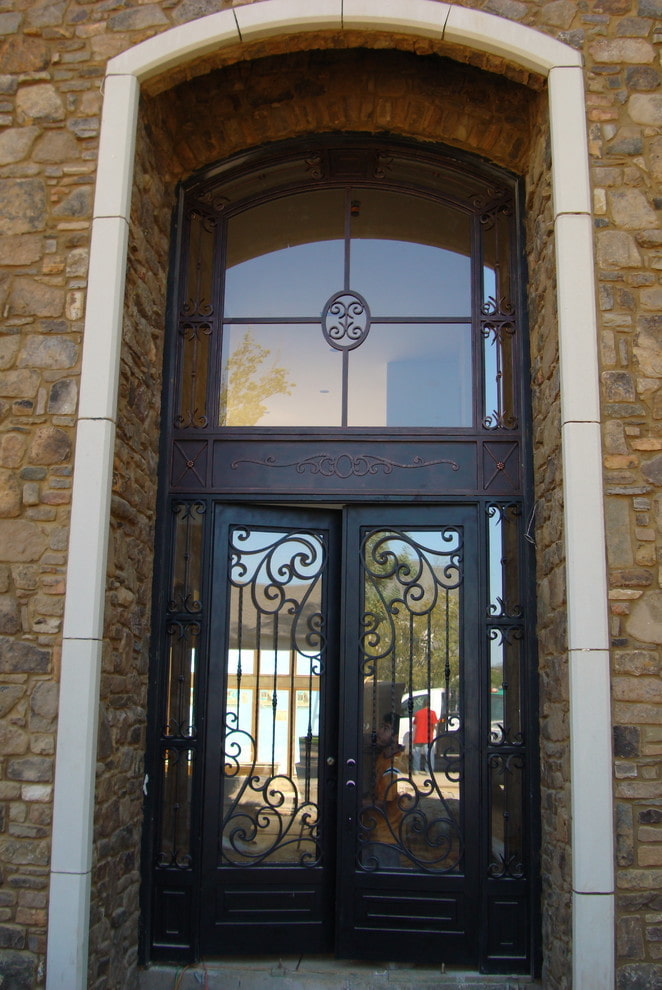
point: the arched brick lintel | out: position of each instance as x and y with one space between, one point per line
592 836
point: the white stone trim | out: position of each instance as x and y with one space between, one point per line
593 966
592 850
580 384
592 827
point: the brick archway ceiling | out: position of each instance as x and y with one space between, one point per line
248 103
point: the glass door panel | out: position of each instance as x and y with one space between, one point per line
274 666
408 846
271 722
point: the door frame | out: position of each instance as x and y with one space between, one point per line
482 463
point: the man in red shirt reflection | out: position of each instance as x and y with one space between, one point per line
425 721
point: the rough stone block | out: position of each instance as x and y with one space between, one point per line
17 656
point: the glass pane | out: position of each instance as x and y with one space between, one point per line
412 375
505 693
411 764
198 287
183 640
285 258
279 375
499 325
274 669
506 782
503 550
409 256
194 344
176 783
187 557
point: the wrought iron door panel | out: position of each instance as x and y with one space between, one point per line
408 849
267 814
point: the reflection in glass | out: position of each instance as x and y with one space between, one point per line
174 841
410 256
505 687
286 257
411 766
415 375
279 375
274 668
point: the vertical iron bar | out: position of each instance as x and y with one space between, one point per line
274 696
240 645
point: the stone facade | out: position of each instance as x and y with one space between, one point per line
52 59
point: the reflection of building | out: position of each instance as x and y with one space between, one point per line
488 85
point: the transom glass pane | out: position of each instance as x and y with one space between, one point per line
410 256
285 258
279 374
411 375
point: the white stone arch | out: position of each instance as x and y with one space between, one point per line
590 719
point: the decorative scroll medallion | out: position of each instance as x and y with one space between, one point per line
345 320
345 465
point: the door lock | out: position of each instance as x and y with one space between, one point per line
330 761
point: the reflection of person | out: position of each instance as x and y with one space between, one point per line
425 721
384 815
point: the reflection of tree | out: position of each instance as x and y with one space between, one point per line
247 384
412 620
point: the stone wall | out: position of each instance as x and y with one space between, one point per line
52 59
550 563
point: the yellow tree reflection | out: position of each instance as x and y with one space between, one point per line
249 381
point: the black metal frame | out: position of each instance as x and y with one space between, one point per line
488 464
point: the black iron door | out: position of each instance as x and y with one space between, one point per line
270 795
343 734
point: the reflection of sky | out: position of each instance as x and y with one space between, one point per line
396 278
295 281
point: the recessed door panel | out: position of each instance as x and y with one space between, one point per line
407 843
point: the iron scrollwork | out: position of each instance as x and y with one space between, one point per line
346 320
270 812
266 820
412 826
346 465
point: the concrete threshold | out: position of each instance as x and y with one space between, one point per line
319 973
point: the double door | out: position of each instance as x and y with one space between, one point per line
345 735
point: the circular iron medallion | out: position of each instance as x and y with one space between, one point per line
345 320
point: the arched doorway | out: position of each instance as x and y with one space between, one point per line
582 546
343 742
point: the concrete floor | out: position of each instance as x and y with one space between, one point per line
319 973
